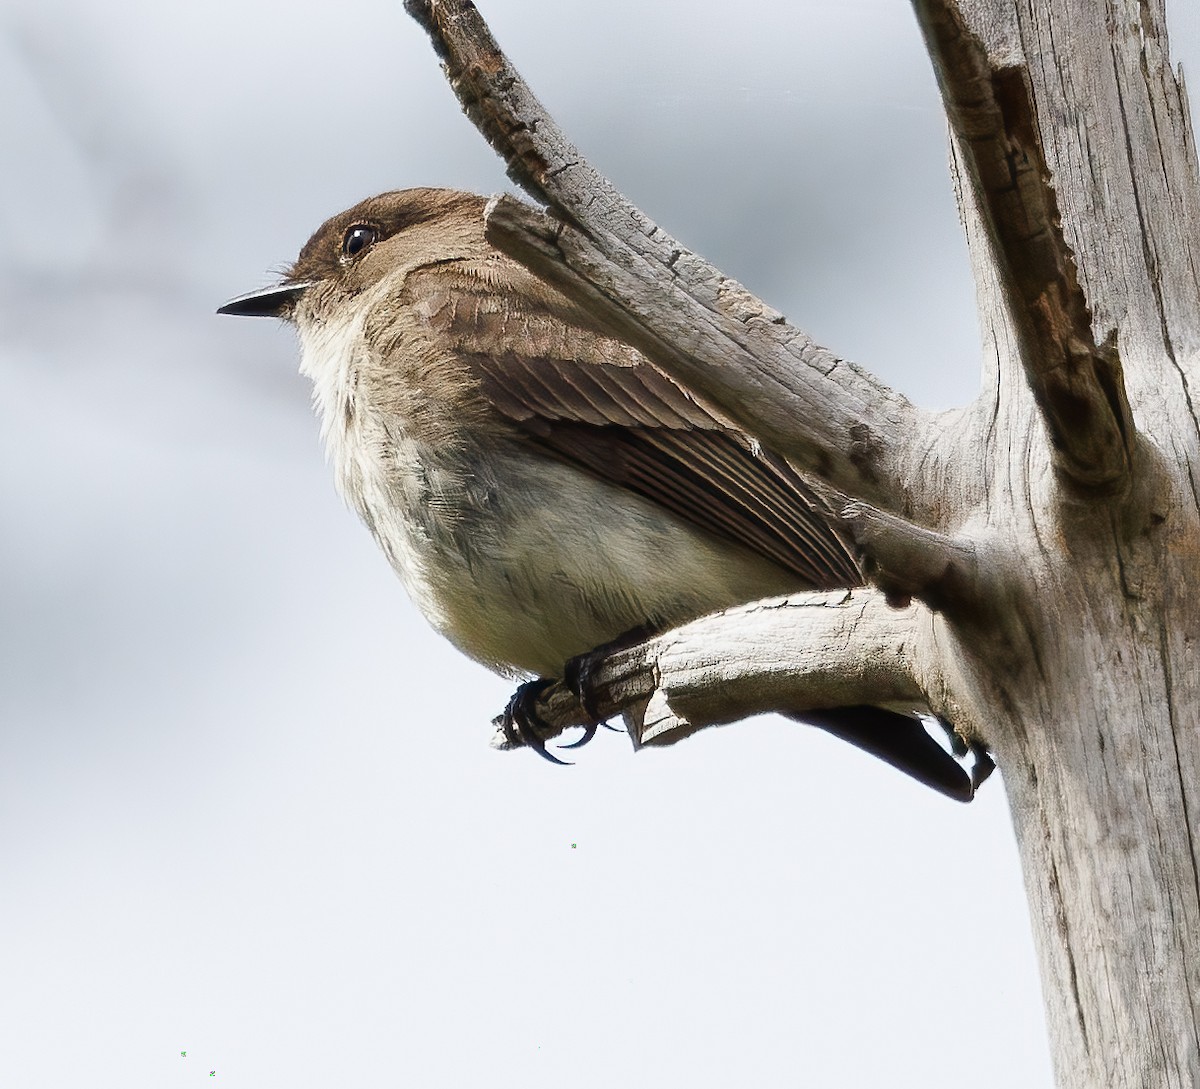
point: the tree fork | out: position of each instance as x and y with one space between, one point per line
1064 504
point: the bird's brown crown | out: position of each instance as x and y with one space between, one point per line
348 241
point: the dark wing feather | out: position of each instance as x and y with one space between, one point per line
597 402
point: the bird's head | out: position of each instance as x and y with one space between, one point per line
355 250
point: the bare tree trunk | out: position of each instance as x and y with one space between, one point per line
1036 556
1097 728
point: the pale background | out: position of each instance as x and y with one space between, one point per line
247 809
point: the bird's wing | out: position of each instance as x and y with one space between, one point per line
597 402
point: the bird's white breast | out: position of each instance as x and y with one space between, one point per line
379 469
520 560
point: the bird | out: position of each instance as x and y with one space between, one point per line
541 487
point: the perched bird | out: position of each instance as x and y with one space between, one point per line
539 486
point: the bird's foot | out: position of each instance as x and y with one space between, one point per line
521 723
577 676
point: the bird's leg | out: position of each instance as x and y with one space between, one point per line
577 676
521 723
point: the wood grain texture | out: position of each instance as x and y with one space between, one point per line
718 339
1098 717
1077 382
1068 494
803 652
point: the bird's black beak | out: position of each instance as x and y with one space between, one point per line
267 302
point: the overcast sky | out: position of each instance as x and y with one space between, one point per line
247 808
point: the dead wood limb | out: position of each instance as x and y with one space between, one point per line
827 415
801 653
1078 383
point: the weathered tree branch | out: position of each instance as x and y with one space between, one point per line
728 347
1078 384
1085 685
802 653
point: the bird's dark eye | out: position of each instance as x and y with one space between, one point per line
358 238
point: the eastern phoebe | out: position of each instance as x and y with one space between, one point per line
539 487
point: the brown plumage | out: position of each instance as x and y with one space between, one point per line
539 485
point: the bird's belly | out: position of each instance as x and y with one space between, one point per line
523 562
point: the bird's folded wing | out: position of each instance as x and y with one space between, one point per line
597 402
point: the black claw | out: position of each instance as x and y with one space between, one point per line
577 675
539 747
521 721
589 731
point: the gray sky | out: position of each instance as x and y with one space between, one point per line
247 809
